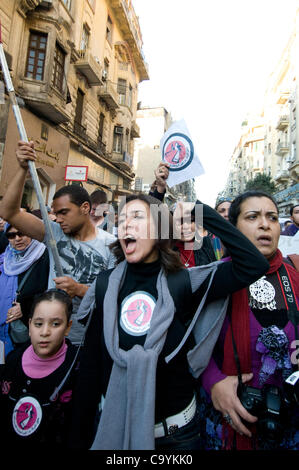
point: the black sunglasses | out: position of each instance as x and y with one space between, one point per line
12 235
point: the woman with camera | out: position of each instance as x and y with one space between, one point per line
247 396
139 347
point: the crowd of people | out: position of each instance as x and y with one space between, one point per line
178 331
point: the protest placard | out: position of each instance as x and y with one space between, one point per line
178 151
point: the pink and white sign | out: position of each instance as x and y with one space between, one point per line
178 151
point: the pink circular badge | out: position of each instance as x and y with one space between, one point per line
136 313
27 416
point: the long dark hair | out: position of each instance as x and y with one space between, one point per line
235 208
170 260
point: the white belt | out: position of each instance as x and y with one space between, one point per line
177 421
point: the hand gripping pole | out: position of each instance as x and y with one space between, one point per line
50 240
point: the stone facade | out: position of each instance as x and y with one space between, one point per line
76 65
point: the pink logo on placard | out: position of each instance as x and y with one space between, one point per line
175 152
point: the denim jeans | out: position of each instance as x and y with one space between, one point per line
184 438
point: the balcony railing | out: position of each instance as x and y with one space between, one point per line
282 148
124 159
80 130
109 94
283 96
282 175
135 131
283 122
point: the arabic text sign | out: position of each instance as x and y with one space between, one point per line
75 173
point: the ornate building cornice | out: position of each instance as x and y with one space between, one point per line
27 5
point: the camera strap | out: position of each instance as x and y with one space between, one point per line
289 297
235 350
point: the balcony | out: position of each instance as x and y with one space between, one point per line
282 176
282 148
109 95
44 100
283 122
87 65
124 160
294 170
129 28
283 97
135 131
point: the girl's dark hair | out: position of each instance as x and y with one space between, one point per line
54 294
235 208
170 260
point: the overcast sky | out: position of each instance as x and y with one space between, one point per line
208 63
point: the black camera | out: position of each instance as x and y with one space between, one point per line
267 405
291 388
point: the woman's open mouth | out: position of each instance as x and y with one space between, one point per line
130 244
265 240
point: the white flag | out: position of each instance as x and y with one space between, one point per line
178 151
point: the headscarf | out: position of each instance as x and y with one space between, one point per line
13 263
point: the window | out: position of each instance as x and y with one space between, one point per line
121 90
106 69
130 96
79 106
85 38
109 28
58 70
101 126
117 139
113 179
35 65
294 151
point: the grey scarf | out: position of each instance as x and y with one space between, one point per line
128 416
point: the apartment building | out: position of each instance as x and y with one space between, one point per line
274 148
247 160
76 65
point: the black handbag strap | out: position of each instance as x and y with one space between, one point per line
24 279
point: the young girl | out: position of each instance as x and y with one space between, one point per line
37 379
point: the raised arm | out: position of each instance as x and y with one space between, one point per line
247 263
10 205
159 186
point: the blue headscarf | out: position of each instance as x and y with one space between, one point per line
13 263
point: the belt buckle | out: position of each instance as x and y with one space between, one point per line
172 429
